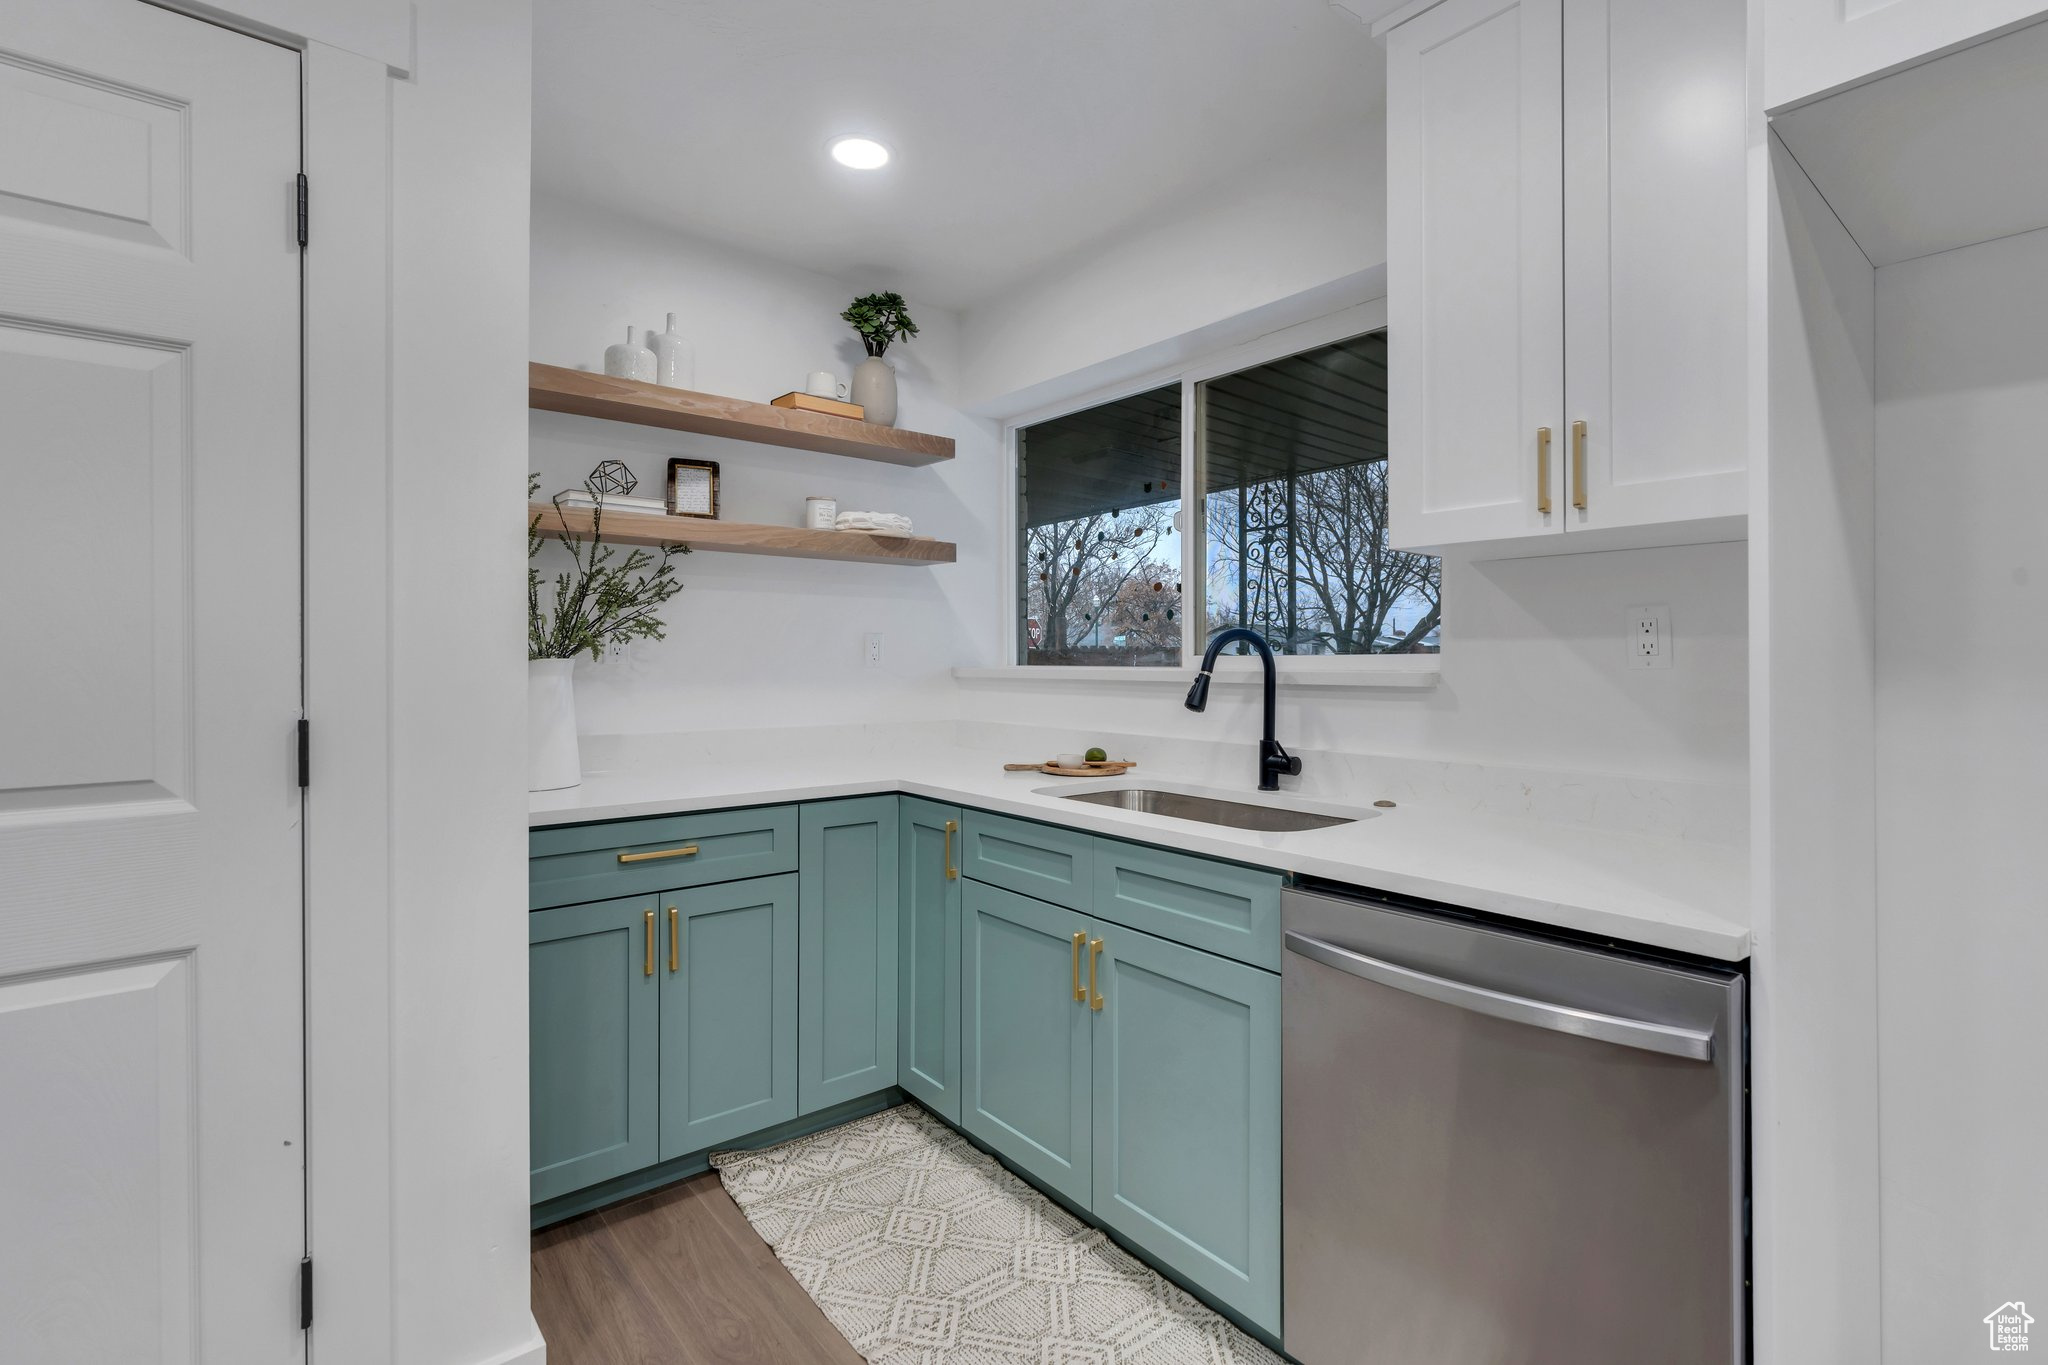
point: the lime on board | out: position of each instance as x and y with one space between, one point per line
1098 756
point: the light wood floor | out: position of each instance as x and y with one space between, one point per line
676 1277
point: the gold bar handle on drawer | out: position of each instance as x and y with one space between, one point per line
656 855
1543 470
1079 994
650 943
1094 955
952 828
675 940
1579 465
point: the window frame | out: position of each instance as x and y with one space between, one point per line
1359 670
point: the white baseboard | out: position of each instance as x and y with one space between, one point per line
531 1352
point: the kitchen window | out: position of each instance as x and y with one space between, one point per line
1288 533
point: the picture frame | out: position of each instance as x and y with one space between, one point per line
693 488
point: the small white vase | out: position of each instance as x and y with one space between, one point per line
552 760
675 363
874 388
629 360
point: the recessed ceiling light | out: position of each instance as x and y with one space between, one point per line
861 153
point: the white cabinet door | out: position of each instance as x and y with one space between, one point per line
1475 290
1656 243
1814 46
151 1148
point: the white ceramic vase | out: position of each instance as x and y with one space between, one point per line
629 360
675 363
874 388
552 760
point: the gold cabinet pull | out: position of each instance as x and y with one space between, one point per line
1079 994
952 828
675 940
1579 465
650 943
1543 470
1094 955
656 855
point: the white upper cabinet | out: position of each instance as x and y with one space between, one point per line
1655 260
1812 47
1567 270
1475 304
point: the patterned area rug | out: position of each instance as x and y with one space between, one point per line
924 1251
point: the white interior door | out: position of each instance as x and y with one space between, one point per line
151 1145
1656 186
1475 260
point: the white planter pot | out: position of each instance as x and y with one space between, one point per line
874 388
552 761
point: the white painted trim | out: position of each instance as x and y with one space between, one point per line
1355 320
347 131
533 1352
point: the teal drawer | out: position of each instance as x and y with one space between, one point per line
577 863
1220 907
1045 861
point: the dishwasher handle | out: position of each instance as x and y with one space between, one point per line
1693 1044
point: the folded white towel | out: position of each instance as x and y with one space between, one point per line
888 523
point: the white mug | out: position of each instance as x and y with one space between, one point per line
822 384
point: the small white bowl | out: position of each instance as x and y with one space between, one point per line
1070 761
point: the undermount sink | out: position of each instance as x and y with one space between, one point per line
1213 810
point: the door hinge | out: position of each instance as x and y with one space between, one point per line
302 208
305 752
305 1293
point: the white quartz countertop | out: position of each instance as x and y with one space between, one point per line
1662 892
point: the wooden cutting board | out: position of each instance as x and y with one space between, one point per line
1110 768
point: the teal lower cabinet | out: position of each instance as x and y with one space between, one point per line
928 970
1187 1115
593 1071
846 951
1025 1046
728 1011
1103 1015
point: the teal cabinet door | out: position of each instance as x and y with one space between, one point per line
1187 1116
593 1013
728 1011
928 967
1046 861
1024 1056
846 951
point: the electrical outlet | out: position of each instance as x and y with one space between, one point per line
618 651
1649 637
871 649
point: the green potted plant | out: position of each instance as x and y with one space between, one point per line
879 319
600 600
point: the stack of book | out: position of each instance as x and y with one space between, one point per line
577 500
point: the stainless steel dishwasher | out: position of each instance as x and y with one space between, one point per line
1505 1149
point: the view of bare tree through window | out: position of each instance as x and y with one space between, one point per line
1294 472
1101 564
1291 460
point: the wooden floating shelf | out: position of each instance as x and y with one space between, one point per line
555 389
732 537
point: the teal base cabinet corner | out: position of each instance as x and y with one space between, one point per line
847 951
592 1063
728 1012
928 970
1103 1015
1187 1115
1025 1046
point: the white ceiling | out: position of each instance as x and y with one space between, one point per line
1021 132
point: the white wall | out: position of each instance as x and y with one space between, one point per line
459 190
1303 237
1962 744
755 640
1535 674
